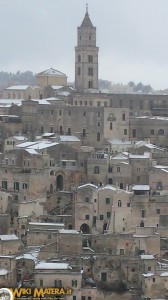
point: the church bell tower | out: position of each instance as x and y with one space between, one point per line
86 57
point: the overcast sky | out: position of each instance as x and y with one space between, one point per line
132 36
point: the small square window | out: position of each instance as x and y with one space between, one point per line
158 211
128 204
101 217
107 200
87 217
108 214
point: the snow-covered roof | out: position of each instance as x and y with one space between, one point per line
150 274
120 156
46 224
17 87
119 142
31 151
144 187
147 256
164 274
42 145
69 138
140 156
51 72
64 93
19 137
69 231
11 101
51 266
57 87
48 134
8 237
87 185
3 272
26 144
42 101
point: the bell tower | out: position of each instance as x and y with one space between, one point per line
86 57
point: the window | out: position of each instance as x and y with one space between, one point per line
101 217
87 217
158 211
141 104
84 113
90 71
119 203
107 200
98 137
69 113
80 102
134 133
79 58
152 132
51 129
138 178
83 298
123 117
58 283
153 280
159 185
84 132
86 199
131 104
60 129
51 112
41 282
79 71
111 125
25 186
143 213
110 181
161 132
75 102
98 103
16 186
121 251
89 298
74 298
60 112
7 142
74 283
90 84
149 269
69 131
42 129
90 103
108 214
125 131
90 58
121 103
118 169
22 226
96 170
104 276
98 124
63 163
128 204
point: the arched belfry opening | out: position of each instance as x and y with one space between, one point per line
59 183
85 228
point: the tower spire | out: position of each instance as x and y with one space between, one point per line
87 8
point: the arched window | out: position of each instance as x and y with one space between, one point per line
90 84
161 132
98 137
119 203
